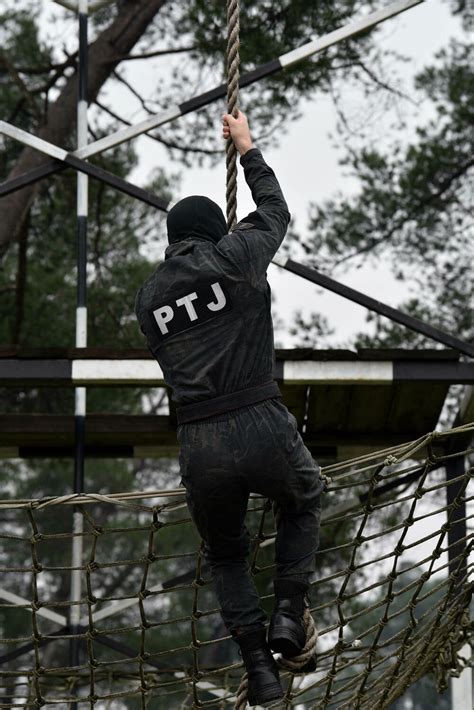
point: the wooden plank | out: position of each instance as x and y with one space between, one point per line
294 396
329 408
416 407
370 408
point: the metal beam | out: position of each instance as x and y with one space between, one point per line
69 160
286 60
372 304
42 611
140 371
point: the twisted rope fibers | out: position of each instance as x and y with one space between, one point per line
357 665
233 75
294 665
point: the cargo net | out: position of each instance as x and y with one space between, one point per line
390 599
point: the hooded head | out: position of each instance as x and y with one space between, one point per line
196 216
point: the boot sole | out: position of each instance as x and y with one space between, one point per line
267 697
281 640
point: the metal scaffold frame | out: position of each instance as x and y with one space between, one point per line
78 160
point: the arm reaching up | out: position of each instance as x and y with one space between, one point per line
256 239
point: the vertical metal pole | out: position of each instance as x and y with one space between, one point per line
81 333
461 688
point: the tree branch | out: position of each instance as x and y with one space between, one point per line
119 37
163 141
383 84
25 92
444 186
148 55
21 282
132 90
50 67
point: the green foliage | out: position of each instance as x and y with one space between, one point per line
399 205
414 206
267 30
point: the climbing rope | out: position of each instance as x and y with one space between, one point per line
233 60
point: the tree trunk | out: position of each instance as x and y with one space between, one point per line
117 40
19 309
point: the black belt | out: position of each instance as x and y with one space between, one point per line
227 402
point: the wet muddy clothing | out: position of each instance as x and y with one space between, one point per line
254 449
205 312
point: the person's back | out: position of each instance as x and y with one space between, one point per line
205 312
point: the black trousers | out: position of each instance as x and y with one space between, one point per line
255 449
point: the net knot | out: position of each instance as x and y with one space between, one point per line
35 538
92 567
390 460
143 594
393 575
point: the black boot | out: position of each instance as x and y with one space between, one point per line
287 633
264 683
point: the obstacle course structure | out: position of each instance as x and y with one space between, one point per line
358 664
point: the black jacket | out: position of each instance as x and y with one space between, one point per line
205 310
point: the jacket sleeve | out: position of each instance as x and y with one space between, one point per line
256 239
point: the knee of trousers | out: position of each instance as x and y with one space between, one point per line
220 550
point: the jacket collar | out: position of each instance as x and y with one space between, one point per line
186 246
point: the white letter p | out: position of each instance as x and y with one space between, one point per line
163 315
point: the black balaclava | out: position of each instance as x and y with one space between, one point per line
196 216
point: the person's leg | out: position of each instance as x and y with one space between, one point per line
280 467
217 499
298 518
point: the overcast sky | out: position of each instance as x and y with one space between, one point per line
306 161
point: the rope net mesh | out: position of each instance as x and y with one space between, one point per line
388 606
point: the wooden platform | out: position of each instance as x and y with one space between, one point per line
346 403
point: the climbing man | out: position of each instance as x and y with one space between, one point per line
206 314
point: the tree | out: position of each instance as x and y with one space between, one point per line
414 207
267 31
